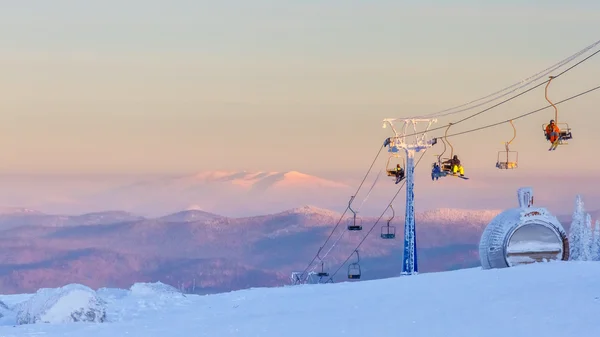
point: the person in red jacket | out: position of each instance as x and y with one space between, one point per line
552 131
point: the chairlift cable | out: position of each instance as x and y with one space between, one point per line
528 81
344 232
376 222
370 190
342 216
460 133
525 114
456 134
506 100
330 249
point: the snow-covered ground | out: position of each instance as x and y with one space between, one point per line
556 299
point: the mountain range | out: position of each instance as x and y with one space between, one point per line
213 253
234 193
252 193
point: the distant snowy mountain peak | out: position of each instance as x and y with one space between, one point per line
232 193
298 178
261 180
18 210
312 210
222 176
190 215
210 175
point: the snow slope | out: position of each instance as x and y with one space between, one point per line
556 299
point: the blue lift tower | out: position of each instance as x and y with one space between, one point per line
415 144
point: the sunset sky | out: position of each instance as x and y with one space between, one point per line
182 86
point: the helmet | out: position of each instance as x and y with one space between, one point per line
551 121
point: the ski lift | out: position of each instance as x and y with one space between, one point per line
443 166
389 232
564 132
354 268
391 171
508 164
355 224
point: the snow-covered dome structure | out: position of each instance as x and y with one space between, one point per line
523 235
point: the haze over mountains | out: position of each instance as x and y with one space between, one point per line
248 193
213 253
224 230
232 193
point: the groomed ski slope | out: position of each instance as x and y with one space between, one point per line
557 299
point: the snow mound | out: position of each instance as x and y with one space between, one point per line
157 289
557 299
71 303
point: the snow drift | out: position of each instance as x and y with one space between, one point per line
154 289
71 303
555 299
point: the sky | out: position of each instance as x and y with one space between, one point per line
140 87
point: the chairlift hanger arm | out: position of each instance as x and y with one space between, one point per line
319 254
514 135
357 256
446 138
393 214
547 99
350 206
445 148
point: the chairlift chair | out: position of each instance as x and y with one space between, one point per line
508 159
322 273
354 223
565 130
391 171
354 268
508 164
563 134
354 271
444 163
387 231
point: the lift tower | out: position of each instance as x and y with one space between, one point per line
413 145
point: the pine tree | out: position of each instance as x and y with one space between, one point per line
576 231
596 246
587 240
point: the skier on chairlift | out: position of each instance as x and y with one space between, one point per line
399 173
456 166
552 131
436 172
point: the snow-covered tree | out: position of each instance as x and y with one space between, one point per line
587 240
596 246
576 231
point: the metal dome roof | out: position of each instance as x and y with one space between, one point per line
496 236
